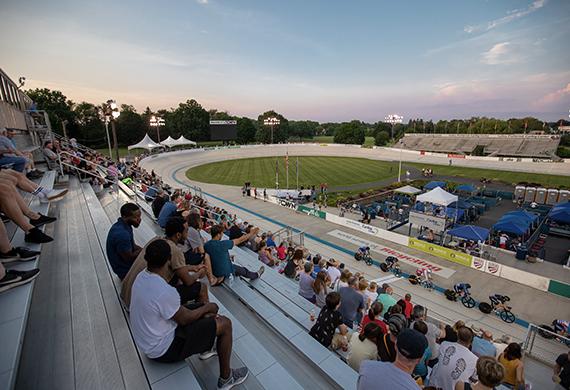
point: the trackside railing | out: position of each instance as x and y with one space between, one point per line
543 344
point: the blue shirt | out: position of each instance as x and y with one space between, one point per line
270 243
220 257
167 211
120 240
482 347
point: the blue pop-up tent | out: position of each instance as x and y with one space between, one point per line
462 204
470 232
565 205
560 215
433 184
523 215
511 226
466 188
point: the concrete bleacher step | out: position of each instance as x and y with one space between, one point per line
15 303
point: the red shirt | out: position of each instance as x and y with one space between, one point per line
380 323
408 309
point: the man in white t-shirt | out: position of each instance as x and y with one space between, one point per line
167 332
333 271
456 362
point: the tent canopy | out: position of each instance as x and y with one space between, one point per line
562 205
434 184
560 215
183 141
523 214
146 143
470 232
169 142
408 190
466 188
461 204
438 196
512 226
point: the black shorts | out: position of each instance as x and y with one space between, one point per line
188 293
193 258
196 337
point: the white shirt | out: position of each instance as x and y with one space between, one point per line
456 364
334 273
370 297
153 303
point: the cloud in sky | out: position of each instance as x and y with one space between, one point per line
501 53
555 96
511 15
202 1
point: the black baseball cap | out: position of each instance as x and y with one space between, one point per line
411 343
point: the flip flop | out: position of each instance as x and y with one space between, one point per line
219 282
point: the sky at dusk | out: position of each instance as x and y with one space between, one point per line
323 60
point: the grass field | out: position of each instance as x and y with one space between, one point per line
548 181
334 171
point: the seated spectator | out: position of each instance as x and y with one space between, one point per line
20 181
370 294
363 345
295 264
408 306
168 210
362 287
13 278
15 208
328 321
8 146
188 285
387 343
150 194
269 240
445 373
306 281
351 302
265 256
121 248
222 264
168 332
333 271
321 287
451 331
386 299
235 232
483 346
490 373
342 281
511 359
388 376
562 371
373 315
434 332
281 251
48 151
421 368
158 202
196 254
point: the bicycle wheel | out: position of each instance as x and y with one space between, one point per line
507 316
468 302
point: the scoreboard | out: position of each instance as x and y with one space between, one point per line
225 130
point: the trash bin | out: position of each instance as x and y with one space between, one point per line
522 252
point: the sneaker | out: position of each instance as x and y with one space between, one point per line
42 220
17 278
33 175
238 376
18 254
36 236
208 354
48 196
5 219
261 271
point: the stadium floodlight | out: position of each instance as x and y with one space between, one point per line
111 113
156 121
393 119
271 122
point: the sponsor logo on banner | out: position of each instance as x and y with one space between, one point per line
451 155
436 224
478 263
312 212
377 248
287 203
492 267
440 251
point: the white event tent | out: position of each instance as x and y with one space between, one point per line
408 190
169 142
437 196
146 143
183 141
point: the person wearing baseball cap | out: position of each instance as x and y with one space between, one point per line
387 343
375 375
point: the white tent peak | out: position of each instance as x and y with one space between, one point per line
146 143
438 196
169 142
408 190
183 141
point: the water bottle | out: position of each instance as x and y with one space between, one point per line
231 280
312 315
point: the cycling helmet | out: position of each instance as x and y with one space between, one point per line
367 248
419 271
467 285
506 298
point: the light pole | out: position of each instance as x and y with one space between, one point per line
394 119
271 122
111 112
156 121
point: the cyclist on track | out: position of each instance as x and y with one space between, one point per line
364 251
462 289
424 273
499 300
391 261
561 327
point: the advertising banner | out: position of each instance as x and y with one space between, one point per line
440 251
436 224
368 229
312 212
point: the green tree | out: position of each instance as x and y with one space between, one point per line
245 130
381 138
189 119
350 133
280 131
89 124
131 126
302 129
55 103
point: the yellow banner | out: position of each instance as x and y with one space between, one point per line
440 251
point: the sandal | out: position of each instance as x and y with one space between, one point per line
219 281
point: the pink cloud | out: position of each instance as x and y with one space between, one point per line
555 96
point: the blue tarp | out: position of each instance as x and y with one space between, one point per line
511 226
466 188
560 215
523 221
562 205
451 212
470 232
523 214
433 184
461 204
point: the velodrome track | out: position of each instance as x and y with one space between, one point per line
530 304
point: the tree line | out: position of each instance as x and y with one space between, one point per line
85 122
